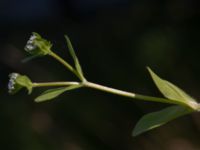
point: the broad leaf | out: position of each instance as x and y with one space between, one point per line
171 91
75 58
156 119
53 93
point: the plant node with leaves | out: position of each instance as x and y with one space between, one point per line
37 46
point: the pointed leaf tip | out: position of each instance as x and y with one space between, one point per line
156 119
53 93
171 91
74 56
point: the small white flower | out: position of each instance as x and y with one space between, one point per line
37 46
11 83
33 37
17 82
30 46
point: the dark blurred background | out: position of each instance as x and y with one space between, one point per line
115 40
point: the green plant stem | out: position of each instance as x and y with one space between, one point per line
66 64
130 94
49 84
112 91
193 105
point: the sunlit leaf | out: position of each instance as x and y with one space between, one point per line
156 119
53 93
170 90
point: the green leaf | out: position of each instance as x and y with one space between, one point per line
27 59
53 93
74 56
171 91
156 119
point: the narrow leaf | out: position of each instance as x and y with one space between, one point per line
27 59
53 93
156 119
74 56
170 90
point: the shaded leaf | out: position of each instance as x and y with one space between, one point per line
170 90
74 56
156 119
27 59
53 93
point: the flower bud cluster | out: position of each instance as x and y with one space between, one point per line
17 82
12 82
37 46
30 46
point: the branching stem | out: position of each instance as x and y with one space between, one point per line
131 95
66 64
109 90
51 84
85 83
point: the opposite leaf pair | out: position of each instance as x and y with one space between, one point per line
186 105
